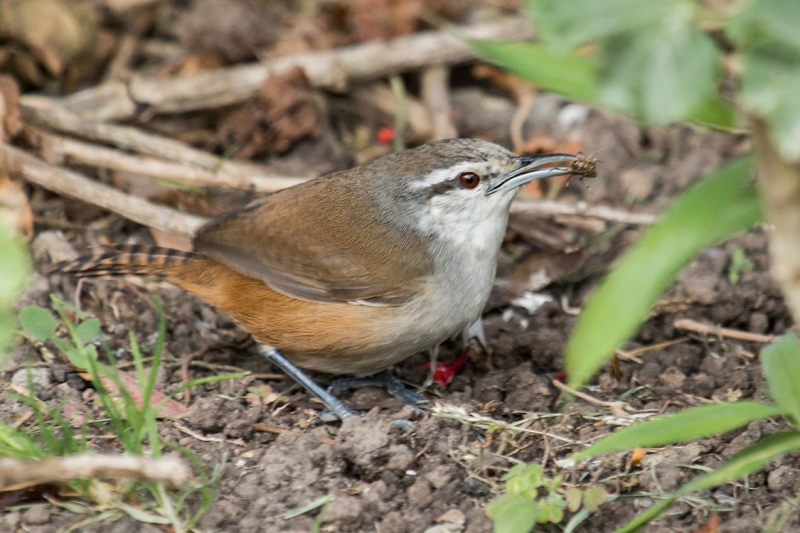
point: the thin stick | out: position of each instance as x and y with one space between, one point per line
617 408
435 94
68 183
58 150
698 327
633 355
15 473
202 438
330 69
546 208
229 173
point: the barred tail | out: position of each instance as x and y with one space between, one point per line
126 260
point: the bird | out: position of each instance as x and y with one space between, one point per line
353 272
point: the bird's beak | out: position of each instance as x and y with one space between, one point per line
530 167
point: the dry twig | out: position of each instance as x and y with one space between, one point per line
17 474
228 173
698 327
617 408
78 186
202 438
57 150
547 208
633 355
435 94
330 69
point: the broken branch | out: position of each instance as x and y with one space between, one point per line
75 185
16 474
328 69
229 173
544 208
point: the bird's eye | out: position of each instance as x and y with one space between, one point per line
469 180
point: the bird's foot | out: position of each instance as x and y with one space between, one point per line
384 379
336 409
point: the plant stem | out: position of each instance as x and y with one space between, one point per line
780 193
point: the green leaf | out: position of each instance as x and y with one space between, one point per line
741 464
88 330
549 513
593 498
38 321
569 75
722 204
516 470
716 113
516 516
80 358
654 62
14 265
770 85
739 264
766 20
746 461
767 38
781 362
688 424
567 25
517 484
534 475
660 75
494 507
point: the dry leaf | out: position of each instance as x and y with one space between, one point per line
10 115
55 33
191 64
386 19
520 89
15 210
171 409
284 113
637 455
234 30
262 394
710 527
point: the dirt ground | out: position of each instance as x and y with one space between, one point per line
391 480
438 476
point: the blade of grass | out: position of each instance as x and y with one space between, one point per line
689 424
722 204
567 74
781 362
319 502
743 463
199 381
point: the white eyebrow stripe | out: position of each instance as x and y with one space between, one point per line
442 174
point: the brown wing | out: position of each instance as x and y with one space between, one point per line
314 242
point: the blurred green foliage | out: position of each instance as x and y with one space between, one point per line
15 266
665 62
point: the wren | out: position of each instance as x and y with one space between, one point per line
352 272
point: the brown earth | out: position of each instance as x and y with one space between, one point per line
393 480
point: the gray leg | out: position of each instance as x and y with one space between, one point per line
334 405
384 379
